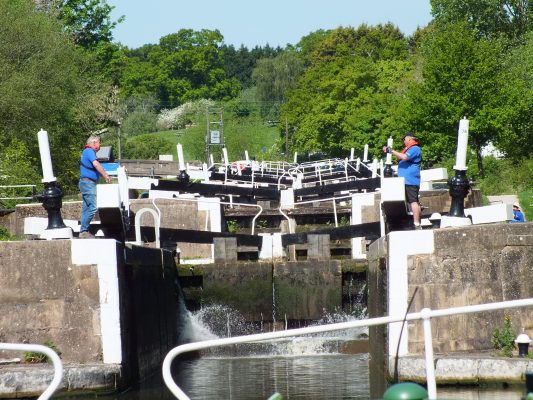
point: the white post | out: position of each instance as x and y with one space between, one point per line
211 160
425 313
295 160
462 142
181 159
365 154
225 155
389 155
46 160
374 168
246 156
351 153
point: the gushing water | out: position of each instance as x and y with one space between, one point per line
217 321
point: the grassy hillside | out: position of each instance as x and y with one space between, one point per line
261 141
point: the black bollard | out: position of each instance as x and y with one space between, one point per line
52 199
459 188
183 176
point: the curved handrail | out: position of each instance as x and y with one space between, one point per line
51 354
425 315
157 223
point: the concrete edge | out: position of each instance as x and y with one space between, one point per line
464 370
30 380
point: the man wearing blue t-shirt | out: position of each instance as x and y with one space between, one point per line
90 171
409 168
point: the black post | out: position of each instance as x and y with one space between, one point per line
52 199
387 171
183 176
459 187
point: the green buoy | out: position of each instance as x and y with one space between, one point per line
406 391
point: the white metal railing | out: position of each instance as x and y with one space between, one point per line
51 354
33 192
332 199
425 315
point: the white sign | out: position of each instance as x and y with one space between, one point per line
215 137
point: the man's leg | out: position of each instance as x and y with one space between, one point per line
415 208
411 194
88 206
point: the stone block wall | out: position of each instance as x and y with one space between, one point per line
467 266
44 298
93 299
473 265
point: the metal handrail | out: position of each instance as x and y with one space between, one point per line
425 315
32 197
51 354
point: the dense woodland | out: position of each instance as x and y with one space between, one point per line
61 70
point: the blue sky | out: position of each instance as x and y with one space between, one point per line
252 23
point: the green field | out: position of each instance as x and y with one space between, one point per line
259 139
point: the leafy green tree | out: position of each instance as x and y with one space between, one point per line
346 97
240 63
488 18
273 78
309 43
185 66
458 80
46 82
88 21
515 110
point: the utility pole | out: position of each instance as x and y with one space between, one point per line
214 136
286 140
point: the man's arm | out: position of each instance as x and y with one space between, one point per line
101 171
399 155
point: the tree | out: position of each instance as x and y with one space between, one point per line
515 112
46 83
459 72
273 78
185 66
88 21
488 18
346 97
240 63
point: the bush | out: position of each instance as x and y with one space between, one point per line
503 338
36 357
147 147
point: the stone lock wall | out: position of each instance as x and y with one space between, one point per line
44 298
95 300
467 266
473 265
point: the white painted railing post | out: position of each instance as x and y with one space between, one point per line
425 314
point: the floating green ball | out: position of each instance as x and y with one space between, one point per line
406 391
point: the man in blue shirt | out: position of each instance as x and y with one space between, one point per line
409 168
518 215
90 172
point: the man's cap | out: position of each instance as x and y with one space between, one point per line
516 205
410 134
